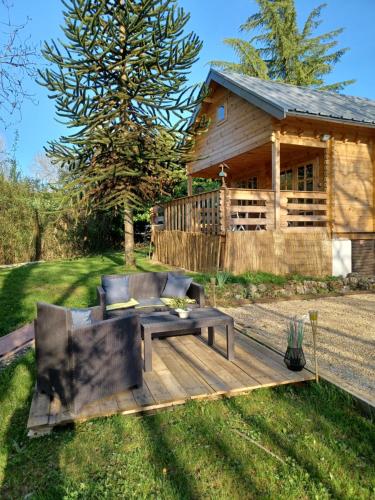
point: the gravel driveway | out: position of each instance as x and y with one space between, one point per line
346 341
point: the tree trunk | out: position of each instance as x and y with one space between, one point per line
38 237
129 236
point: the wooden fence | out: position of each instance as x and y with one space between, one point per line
192 251
278 252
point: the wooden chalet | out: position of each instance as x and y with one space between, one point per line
298 192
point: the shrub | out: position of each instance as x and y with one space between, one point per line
222 278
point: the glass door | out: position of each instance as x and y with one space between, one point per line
286 180
305 177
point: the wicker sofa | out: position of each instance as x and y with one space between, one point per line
82 364
142 288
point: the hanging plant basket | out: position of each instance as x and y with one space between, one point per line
295 359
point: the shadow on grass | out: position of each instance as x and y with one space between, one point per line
220 447
31 466
83 280
164 455
334 409
219 454
145 268
332 422
117 259
12 294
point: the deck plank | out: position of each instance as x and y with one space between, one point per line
39 410
184 367
191 381
248 361
158 390
263 359
169 380
126 401
54 411
233 375
209 375
143 396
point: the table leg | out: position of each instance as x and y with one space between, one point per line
147 352
211 335
230 341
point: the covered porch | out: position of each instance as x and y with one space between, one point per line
273 186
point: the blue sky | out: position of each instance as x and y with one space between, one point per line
213 20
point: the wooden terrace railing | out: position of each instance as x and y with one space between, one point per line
200 213
250 209
303 209
232 209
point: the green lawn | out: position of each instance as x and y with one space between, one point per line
66 282
73 283
321 447
325 449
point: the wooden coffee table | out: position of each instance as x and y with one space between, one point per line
169 324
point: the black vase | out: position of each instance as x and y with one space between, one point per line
295 359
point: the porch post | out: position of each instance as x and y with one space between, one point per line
189 185
276 175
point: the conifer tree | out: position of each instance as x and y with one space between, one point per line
119 81
279 50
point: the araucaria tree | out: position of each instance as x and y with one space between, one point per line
120 82
278 50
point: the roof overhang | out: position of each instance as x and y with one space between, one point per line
273 109
249 96
325 118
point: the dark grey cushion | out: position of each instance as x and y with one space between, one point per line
116 289
177 285
152 301
145 285
81 317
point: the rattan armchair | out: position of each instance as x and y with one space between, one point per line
84 364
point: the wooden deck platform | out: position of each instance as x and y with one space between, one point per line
184 368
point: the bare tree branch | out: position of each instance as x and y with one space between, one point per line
17 64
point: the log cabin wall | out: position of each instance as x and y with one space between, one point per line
347 164
353 188
363 256
262 172
244 127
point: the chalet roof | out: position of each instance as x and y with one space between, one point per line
281 99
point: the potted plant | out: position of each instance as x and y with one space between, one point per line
294 357
180 305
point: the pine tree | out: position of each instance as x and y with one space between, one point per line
279 50
120 82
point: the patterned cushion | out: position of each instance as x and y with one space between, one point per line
177 285
116 289
168 301
122 305
151 302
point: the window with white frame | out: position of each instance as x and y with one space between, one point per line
221 113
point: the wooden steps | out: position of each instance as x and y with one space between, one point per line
184 368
